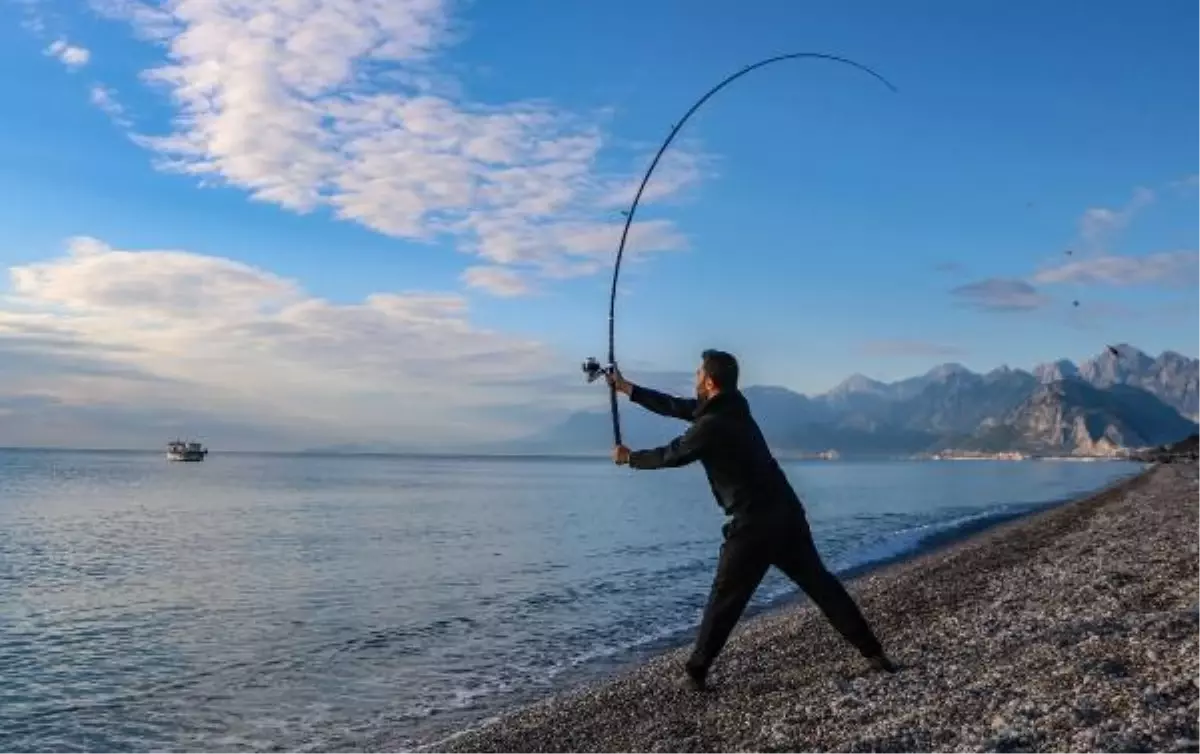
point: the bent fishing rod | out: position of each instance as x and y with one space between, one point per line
591 367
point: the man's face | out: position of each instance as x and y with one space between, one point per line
704 386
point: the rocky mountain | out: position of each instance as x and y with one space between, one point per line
857 384
790 421
1074 417
1125 400
962 400
1055 371
859 392
1171 377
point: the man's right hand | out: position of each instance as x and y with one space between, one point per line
615 380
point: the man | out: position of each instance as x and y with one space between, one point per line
766 525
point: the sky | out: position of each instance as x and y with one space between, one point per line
275 224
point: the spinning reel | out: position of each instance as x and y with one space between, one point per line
593 369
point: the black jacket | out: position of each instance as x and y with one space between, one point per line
744 476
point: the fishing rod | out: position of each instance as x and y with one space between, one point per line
591 367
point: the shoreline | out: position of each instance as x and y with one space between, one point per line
784 663
897 548
596 456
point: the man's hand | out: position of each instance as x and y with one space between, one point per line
621 455
621 384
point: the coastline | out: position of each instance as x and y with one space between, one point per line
1072 627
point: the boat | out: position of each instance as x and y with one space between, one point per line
179 450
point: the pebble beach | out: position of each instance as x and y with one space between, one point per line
1075 629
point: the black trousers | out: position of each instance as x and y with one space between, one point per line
782 539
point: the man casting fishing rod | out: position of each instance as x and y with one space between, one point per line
766 525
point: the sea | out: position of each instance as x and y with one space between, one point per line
274 602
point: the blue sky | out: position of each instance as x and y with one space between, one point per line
173 179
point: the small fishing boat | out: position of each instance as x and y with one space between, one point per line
179 450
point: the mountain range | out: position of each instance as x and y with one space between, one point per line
1122 398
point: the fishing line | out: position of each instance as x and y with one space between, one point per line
591 367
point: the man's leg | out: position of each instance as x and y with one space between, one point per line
741 567
795 553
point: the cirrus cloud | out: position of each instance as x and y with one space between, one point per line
105 98
336 104
1000 294
499 281
1099 224
1169 269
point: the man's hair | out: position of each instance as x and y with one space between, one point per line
721 367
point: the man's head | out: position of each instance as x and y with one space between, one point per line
717 373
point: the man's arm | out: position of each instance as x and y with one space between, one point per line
652 400
681 451
663 404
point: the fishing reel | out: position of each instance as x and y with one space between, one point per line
593 369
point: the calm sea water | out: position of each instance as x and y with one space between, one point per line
311 603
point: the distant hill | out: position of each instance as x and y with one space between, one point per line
1171 377
1073 417
961 400
1130 400
1185 451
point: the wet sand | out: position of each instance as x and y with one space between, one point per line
1072 630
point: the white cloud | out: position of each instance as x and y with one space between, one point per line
1099 224
334 104
72 56
140 331
1001 295
679 168
1173 269
105 98
500 281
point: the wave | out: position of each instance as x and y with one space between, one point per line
914 540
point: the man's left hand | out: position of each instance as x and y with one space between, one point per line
621 455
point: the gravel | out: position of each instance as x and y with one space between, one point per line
1072 630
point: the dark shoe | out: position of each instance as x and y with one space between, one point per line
881 662
694 678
